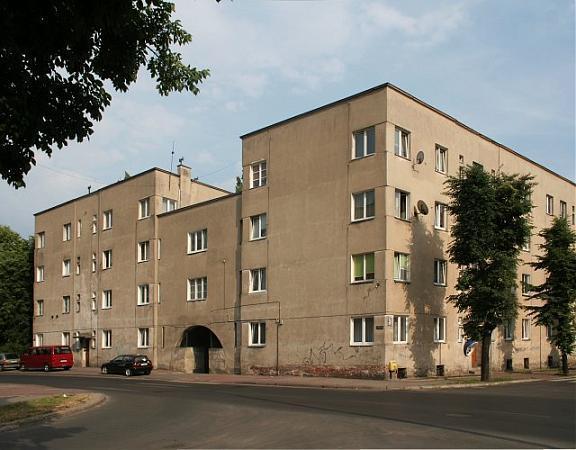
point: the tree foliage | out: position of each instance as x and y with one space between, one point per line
558 292
491 224
55 56
16 282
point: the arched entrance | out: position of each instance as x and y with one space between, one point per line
201 339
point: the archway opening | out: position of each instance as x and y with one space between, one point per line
201 339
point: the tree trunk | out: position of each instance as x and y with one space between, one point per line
485 369
564 363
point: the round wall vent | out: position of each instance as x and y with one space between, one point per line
420 157
422 207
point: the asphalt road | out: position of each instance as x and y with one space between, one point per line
143 413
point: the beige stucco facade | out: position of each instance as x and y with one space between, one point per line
229 294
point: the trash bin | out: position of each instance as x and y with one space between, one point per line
402 372
526 363
509 365
440 370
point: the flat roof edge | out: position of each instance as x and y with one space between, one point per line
196 205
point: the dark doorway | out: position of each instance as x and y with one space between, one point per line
201 339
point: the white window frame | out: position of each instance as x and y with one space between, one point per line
143 337
441 160
258 174
563 209
402 204
549 205
402 140
526 329
258 281
106 339
526 244
65 304
79 228
93 302
39 339
461 334
360 199
66 267
65 338
94 224
94 262
526 283
39 308
66 232
366 276
197 289
508 330
400 329
440 272
402 267
440 329
39 274
143 294
78 303
144 208
440 216
255 336
107 219
41 239
143 251
107 299
364 327
365 136
78 265
197 241
107 259
258 227
168 204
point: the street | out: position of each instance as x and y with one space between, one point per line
143 412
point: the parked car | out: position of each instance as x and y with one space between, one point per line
128 365
47 357
9 361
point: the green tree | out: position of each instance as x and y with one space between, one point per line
491 223
558 292
55 57
16 281
239 184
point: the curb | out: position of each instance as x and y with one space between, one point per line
94 399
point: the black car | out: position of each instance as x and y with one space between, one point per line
128 365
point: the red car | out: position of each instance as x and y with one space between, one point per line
47 357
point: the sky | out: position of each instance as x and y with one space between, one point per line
504 67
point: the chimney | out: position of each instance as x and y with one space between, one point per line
185 172
184 181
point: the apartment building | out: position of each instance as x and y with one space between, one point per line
332 261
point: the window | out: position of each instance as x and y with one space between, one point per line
402 205
525 329
549 205
40 274
363 205
143 294
574 215
440 267
197 241
107 299
77 265
526 284
258 280
93 301
362 267
197 289
441 163
258 174
461 334
362 331
94 224
364 142
143 337
93 340
106 338
508 330
41 240
66 268
439 329
526 244
257 334
65 338
144 208
259 226
107 220
107 259
168 204
402 143
78 228
440 222
158 248
94 262
563 209
400 329
66 304
77 303
401 267
38 339
143 251
67 232
39 307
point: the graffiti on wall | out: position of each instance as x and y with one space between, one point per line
325 354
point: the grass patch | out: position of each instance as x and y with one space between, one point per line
38 406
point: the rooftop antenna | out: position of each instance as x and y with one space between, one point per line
171 163
181 160
89 187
